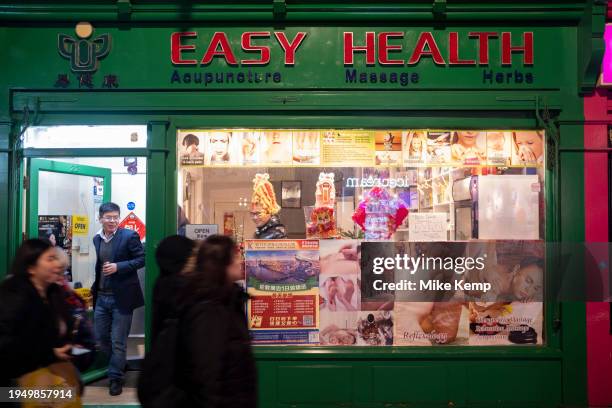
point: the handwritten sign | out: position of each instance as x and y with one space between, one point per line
427 226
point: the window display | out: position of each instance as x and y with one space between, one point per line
341 191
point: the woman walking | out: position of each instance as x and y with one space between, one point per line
219 366
34 319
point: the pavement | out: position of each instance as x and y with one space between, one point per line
96 393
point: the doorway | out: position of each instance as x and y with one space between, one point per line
63 192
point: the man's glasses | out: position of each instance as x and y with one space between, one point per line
110 219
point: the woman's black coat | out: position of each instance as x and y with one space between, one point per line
28 327
217 364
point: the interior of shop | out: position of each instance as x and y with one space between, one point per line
65 193
345 190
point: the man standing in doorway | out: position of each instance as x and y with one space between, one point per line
116 289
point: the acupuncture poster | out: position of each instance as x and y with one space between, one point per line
339 147
283 285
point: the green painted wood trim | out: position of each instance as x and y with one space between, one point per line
172 169
156 210
5 171
411 353
84 152
4 212
592 47
16 173
337 11
38 165
423 101
572 222
94 375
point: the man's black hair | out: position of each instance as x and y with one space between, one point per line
108 207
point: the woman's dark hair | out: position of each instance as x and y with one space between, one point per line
191 139
28 254
209 276
172 254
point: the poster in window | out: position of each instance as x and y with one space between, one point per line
438 147
57 229
277 147
430 323
414 147
468 147
191 148
283 284
528 146
499 148
339 328
306 147
222 147
339 147
516 270
291 194
250 146
388 145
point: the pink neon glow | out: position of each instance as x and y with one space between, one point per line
607 62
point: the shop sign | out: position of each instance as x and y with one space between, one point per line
132 222
606 76
390 57
369 182
383 48
80 225
371 50
200 231
84 53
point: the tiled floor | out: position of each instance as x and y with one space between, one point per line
96 394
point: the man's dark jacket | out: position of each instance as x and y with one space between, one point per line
129 255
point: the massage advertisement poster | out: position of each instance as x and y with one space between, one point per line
499 147
342 147
356 309
306 147
282 279
345 319
517 270
388 145
355 147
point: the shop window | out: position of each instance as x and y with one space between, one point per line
62 137
338 197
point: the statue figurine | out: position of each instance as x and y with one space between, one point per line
264 209
322 222
379 214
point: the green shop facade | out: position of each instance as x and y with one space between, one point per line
305 65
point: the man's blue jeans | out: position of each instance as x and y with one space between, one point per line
112 329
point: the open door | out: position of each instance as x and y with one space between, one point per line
62 205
